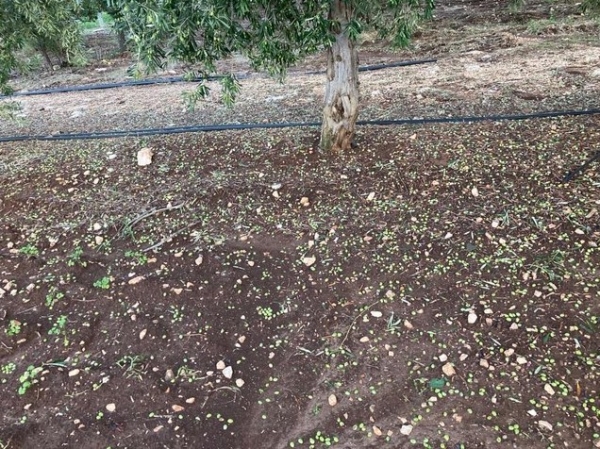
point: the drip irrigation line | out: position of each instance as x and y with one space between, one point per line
181 79
277 125
103 86
577 171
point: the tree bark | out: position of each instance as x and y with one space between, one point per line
122 40
45 54
341 93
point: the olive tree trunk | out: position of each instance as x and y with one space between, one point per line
341 93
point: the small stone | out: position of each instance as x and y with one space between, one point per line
199 260
548 389
521 360
484 363
377 431
406 429
475 192
309 261
239 383
228 372
221 365
190 400
532 412
177 408
509 352
371 196
135 280
408 324
364 339
376 314
169 375
448 369
96 226
157 429
545 425
304 201
111 407
597 443
242 339
472 318
74 372
443 358
143 333
332 400
98 239
144 156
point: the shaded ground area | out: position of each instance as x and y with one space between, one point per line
435 287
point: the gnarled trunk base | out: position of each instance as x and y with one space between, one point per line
341 94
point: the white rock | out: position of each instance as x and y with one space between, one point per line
443 358
376 314
332 400
144 156
548 389
74 372
111 407
228 372
239 383
221 365
309 261
472 318
406 429
545 425
448 369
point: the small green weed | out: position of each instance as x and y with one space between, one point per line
103 283
29 250
74 258
133 365
28 379
138 256
8 368
53 297
13 328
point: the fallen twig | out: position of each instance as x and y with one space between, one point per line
170 237
145 215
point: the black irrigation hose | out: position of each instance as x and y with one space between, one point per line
571 175
180 79
103 86
574 173
243 126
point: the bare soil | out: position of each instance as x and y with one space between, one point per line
435 287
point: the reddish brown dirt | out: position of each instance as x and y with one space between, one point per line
434 287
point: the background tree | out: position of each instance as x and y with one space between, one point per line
91 9
47 25
273 34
